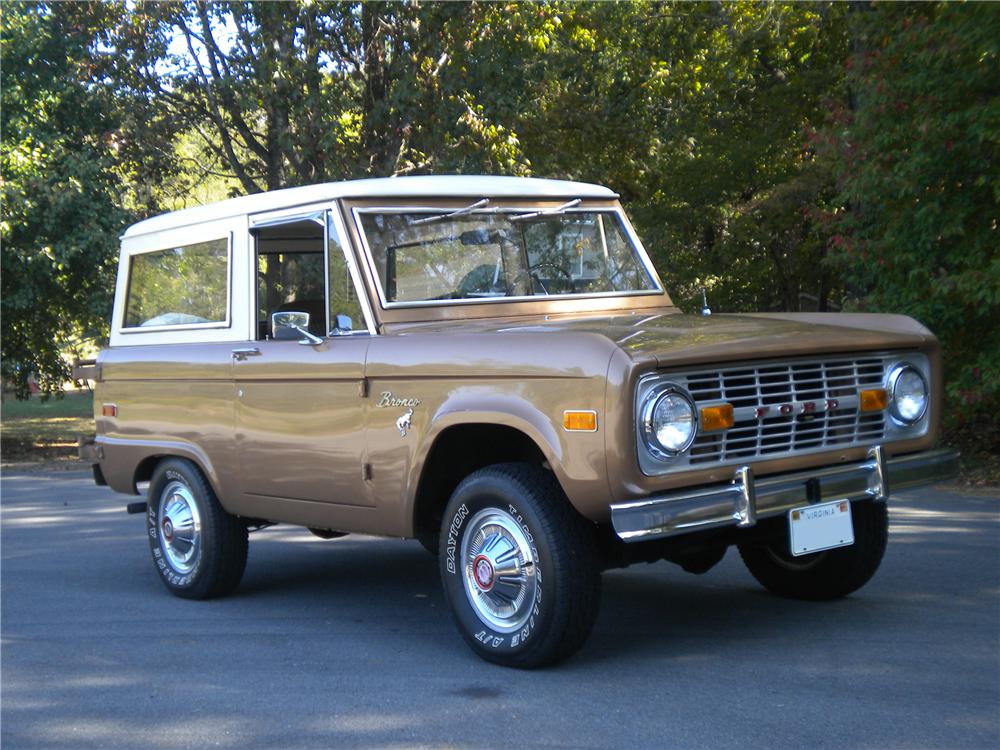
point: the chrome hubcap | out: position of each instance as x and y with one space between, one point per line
500 570
180 527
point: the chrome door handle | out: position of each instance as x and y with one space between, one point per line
241 354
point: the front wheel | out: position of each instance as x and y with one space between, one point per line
519 567
200 551
823 575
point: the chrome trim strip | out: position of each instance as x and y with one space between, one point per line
325 222
746 499
502 300
618 211
347 251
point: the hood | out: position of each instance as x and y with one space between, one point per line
671 338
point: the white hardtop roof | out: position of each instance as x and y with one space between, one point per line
431 186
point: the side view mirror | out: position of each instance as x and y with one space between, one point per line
342 324
292 324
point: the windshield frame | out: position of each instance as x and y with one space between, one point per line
515 207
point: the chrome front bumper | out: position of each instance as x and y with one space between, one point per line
746 499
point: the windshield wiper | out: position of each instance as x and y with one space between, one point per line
547 211
460 212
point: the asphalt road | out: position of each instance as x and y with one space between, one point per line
347 643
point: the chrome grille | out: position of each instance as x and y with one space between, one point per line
832 385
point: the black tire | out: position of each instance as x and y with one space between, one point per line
522 507
823 575
217 557
429 542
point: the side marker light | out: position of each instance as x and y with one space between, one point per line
580 421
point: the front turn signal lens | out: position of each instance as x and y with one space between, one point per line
717 417
580 421
875 399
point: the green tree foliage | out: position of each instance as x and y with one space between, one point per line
787 156
919 177
301 92
61 214
698 114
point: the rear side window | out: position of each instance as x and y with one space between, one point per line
180 286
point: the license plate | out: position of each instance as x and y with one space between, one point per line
815 528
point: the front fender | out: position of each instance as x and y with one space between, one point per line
576 459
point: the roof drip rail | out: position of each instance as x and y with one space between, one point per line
460 212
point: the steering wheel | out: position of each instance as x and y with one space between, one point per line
530 273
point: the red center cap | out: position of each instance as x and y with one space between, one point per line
168 529
482 568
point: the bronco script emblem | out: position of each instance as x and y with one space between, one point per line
387 399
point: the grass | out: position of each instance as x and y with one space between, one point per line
37 430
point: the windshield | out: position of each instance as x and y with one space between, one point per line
422 256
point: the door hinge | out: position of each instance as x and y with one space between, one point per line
363 391
366 472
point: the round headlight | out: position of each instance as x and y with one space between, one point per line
669 422
908 394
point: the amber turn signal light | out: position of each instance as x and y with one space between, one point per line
874 400
717 417
109 410
580 421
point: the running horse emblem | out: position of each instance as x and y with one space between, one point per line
404 422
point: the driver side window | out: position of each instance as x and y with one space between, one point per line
291 278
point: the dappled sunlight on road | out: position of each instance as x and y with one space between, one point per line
348 642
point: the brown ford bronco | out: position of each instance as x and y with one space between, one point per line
492 366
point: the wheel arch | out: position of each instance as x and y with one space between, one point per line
456 451
135 461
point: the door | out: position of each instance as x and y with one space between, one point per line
300 411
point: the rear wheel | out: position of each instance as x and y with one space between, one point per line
519 567
200 551
823 575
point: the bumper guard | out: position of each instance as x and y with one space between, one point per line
746 499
